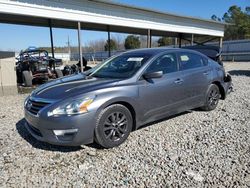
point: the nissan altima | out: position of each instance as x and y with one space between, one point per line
123 93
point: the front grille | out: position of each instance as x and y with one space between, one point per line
34 106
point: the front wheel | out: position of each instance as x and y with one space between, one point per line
212 98
114 125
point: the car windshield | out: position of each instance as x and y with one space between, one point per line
123 66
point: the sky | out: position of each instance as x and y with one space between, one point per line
17 37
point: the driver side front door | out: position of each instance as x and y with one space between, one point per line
161 96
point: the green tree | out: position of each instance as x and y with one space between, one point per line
237 20
132 42
113 45
164 41
215 18
238 23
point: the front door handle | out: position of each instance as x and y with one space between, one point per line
206 73
178 81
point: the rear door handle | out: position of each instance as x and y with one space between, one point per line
178 81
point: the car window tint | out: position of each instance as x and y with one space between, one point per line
166 63
190 60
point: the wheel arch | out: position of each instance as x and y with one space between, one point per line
125 103
222 91
131 109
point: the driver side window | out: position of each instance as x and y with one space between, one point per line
166 63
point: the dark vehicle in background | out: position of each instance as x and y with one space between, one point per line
76 68
35 66
123 93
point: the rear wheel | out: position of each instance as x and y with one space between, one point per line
114 125
59 73
212 98
27 78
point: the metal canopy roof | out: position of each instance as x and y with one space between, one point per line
99 14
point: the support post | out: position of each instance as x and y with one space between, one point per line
51 39
69 50
175 42
180 40
80 45
109 46
149 39
220 44
192 39
52 44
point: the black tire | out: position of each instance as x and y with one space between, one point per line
113 126
27 78
212 98
59 73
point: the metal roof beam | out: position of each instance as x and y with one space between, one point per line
96 14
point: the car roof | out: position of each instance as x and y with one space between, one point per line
155 51
152 51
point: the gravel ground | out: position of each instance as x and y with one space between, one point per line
195 149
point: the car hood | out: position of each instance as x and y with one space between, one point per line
71 86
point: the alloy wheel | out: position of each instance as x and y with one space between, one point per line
213 98
115 126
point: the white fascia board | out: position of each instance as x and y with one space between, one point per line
26 9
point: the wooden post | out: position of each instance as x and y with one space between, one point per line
220 45
175 42
51 39
52 43
192 39
109 46
221 42
80 45
179 40
149 39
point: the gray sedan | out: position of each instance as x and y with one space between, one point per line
123 93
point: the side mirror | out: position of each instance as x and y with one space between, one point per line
151 75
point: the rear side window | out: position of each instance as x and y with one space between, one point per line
166 63
189 60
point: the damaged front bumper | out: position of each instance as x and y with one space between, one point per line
228 85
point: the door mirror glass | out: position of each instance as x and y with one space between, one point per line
152 75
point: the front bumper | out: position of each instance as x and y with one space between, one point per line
64 130
228 85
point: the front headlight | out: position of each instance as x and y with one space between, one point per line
78 106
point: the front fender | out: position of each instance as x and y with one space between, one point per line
107 97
